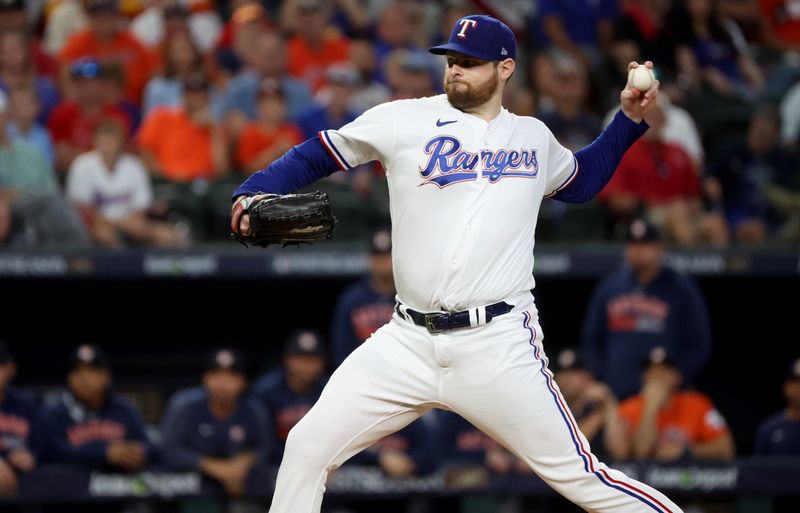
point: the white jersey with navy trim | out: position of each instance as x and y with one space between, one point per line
464 198
449 175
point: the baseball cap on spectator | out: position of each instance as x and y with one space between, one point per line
569 359
98 6
89 355
659 356
482 37
12 5
642 230
381 242
305 342
343 73
225 358
5 354
793 372
86 67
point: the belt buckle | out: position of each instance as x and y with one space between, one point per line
430 319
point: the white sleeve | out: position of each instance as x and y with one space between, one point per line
79 184
562 166
143 191
368 137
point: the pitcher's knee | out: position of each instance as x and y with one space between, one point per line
305 446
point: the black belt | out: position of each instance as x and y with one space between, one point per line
438 322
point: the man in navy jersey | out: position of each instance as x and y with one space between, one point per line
91 425
780 433
21 427
290 391
216 429
643 305
367 305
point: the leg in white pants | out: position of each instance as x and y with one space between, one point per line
384 385
494 375
521 407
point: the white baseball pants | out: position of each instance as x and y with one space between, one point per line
495 376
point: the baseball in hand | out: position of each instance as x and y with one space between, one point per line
641 78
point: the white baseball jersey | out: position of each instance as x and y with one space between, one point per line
115 193
449 174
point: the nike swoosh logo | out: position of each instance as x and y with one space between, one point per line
439 122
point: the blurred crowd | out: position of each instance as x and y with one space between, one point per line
130 122
630 383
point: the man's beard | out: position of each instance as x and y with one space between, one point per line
470 97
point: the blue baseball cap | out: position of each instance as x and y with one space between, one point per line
482 37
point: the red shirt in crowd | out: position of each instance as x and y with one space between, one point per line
69 123
784 17
656 172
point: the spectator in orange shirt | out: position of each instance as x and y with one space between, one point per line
72 123
315 45
271 136
183 143
105 40
666 424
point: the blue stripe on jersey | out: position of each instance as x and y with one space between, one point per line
587 458
570 178
329 144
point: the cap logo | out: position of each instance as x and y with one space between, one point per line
382 241
225 359
85 354
567 359
658 355
503 51
638 229
307 342
465 24
237 433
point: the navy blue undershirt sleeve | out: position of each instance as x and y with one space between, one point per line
598 161
302 165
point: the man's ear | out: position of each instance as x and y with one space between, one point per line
506 68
